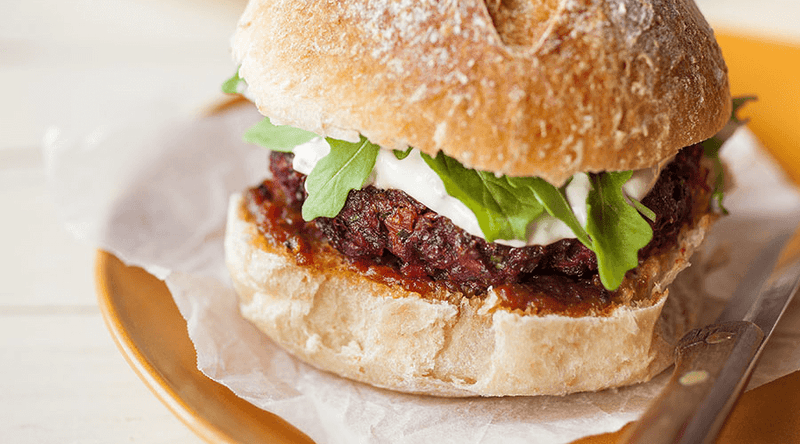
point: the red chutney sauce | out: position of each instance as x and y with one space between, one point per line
281 224
556 294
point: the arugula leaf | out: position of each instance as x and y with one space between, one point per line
646 212
234 84
346 167
712 146
617 229
276 138
503 210
738 103
554 202
505 206
400 155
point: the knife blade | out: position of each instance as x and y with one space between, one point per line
713 364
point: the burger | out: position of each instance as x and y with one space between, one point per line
477 198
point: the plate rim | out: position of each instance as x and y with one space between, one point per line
275 428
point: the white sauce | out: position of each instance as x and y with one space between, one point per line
577 191
307 155
640 183
413 176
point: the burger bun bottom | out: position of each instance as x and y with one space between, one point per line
338 320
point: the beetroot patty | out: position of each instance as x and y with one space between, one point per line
389 227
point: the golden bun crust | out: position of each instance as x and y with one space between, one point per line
338 320
547 88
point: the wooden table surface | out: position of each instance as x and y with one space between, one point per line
76 66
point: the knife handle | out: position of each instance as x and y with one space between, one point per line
718 356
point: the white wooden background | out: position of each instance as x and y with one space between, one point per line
77 64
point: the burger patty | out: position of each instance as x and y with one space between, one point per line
390 228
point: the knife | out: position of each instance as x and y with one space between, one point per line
713 364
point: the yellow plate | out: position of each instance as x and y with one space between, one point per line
768 69
150 332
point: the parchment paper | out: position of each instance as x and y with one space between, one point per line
154 193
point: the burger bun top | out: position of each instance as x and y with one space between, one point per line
546 88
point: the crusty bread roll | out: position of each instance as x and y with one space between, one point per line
547 88
338 320
541 88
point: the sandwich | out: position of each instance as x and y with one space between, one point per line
477 198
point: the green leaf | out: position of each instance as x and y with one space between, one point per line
503 210
712 146
738 103
718 194
346 167
276 138
617 229
554 202
505 206
646 212
234 85
400 155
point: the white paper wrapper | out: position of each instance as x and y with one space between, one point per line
154 193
